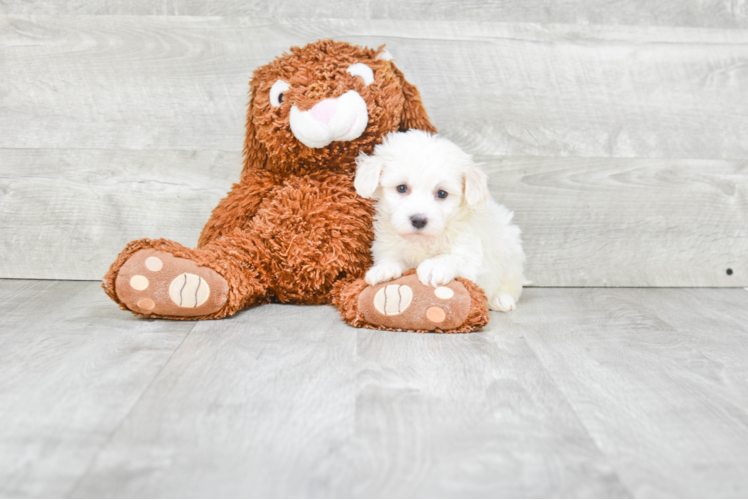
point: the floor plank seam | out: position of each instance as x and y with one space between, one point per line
594 441
124 418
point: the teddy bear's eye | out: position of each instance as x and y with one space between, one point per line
362 70
277 92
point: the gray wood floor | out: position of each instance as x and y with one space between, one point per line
578 393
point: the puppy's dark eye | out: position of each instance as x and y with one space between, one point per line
441 194
402 188
281 98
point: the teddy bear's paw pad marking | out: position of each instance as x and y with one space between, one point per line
154 263
393 299
158 284
189 290
146 304
436 314
139 282
408 304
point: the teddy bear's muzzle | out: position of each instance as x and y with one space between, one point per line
340 119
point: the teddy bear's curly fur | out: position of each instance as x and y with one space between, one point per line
293 228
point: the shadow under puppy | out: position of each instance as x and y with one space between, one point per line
435 213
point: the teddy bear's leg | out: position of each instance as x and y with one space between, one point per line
163 279
409 305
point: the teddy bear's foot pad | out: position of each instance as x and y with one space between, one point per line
408 304
158 284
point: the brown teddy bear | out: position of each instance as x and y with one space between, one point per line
293 229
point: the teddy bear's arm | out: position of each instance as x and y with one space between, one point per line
238 207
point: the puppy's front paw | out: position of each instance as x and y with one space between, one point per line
432 272
502 302
382 272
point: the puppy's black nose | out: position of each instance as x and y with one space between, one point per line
418 221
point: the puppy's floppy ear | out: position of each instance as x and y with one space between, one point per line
255 153
368 171
476 186
414 114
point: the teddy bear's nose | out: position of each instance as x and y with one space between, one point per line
323 111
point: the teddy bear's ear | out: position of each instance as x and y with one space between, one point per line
383 54
414 114
255 153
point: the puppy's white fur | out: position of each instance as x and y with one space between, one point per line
467 233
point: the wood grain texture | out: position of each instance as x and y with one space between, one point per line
585 221
694 13
467 416
70 212
288 402
117 127
627 222
121 82
656 376
578 393
71 367
258 405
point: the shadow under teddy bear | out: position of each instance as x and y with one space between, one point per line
293 229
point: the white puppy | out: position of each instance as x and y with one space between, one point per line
435 213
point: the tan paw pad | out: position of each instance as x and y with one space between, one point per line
154 264
393 299
146 304
189 290
444 292
139 282
436 314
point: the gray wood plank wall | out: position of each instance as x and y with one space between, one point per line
693 13
616 131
